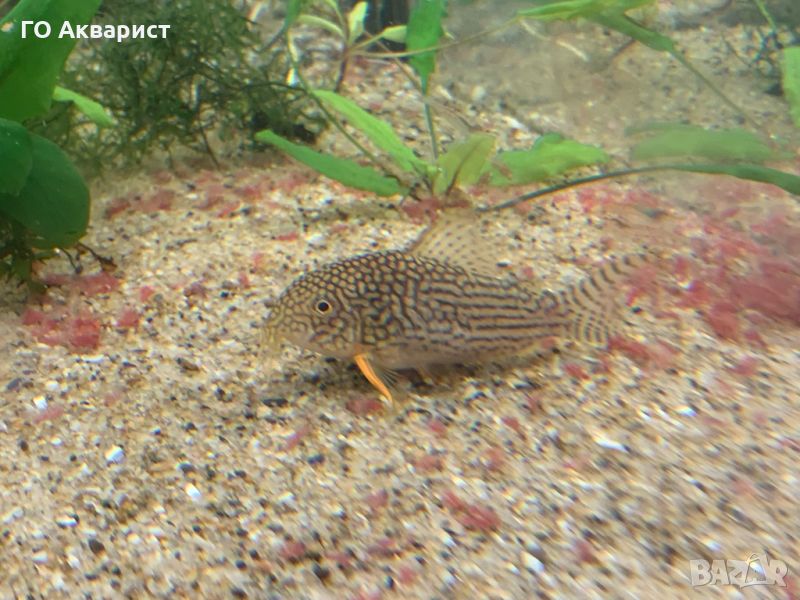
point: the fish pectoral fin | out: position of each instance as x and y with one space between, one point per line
384 380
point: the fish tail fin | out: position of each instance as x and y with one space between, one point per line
593 303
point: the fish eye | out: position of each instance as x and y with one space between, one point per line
323 306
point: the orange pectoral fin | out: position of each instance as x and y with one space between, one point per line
364 365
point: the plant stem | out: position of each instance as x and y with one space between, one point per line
765 13
573 183
426 107
438 47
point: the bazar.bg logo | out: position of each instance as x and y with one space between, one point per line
758 570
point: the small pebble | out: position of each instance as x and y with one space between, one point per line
286 499
713 545
115 454
686 411
94 358
66 521
447 539
58 582
193 493
316 240
478 94
40 402
11 515
533 564
40 557
610 444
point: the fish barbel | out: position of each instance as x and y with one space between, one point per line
440 301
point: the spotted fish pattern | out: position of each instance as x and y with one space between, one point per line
442 301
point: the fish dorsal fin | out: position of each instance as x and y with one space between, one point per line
456 239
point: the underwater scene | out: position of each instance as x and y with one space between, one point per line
400 299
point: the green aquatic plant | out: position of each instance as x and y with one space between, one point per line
464 163
212 76
398 170
791 81
349 28
732 152
44 201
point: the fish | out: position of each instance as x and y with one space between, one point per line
442 300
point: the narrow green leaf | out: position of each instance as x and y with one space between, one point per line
660 43
550 156
348 172
31 66
293 8
379 132
87 106
791 81
15 148
572 9
395 33
355 22
322 24
627 26
786 181
54 202
463 163
423 31
679 140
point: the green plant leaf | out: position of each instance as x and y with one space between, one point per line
30 66
648 37
573 9
378 131
293 9
355 22
395 33
54 202
679 140
463 163
93 110
15 148
423 31
791 81
322 24
348 172
786 181
549 157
